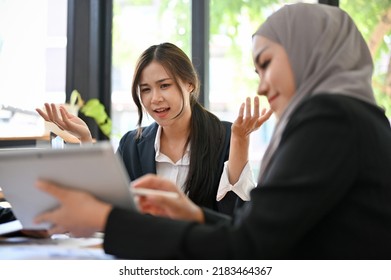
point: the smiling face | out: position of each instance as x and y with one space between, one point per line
161 97
276 79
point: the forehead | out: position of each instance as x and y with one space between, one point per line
154 70
260 44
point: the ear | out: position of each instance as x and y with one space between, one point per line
190 87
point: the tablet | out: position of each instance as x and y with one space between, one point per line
94 168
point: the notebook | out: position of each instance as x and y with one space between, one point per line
94 168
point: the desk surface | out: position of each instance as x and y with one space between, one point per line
24 141
59 247
24 138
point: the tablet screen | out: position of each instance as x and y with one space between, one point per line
93 168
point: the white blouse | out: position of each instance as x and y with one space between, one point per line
177 173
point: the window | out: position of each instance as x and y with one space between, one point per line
232 75
136 26
32 62
374 21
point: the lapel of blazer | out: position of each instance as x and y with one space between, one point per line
146 149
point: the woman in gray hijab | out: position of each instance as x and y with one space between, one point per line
324 190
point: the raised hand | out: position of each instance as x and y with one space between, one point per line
67 121
244 125
247 122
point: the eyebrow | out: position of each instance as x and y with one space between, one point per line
157 82
259 54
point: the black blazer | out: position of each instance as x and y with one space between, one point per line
139 159
325 195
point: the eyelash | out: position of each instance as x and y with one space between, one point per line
265 64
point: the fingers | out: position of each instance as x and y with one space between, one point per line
239 119
49 217
250 119
152 181
54 112
65 117
52 189
65 113
160 206
56 230
48 111
146 207
255 114
46 217
252 116
51 115
55 117
266 115
256 111
256 107
248 107
43 114
241 111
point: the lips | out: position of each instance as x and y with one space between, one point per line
272 98
161 112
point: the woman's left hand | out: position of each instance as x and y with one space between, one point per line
79 213
247 122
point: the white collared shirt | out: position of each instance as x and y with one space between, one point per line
177 173
166 168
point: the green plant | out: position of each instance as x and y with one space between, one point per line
94 109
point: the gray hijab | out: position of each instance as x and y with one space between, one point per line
327 54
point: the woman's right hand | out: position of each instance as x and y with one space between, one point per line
79 213
67 121
179 208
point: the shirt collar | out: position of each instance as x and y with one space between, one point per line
159 156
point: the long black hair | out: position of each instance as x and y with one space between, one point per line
206 131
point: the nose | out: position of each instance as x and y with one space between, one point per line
262 87
157 96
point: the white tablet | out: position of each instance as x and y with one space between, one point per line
93 168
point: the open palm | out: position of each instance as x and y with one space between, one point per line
66 121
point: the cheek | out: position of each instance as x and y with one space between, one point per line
274 78
290 85
174 97
283 80
145 99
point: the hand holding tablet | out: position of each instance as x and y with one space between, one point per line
144 191
95 169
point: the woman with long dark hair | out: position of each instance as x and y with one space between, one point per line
186 144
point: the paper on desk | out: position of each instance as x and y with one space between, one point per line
10 227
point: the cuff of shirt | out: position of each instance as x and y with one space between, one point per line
242 187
